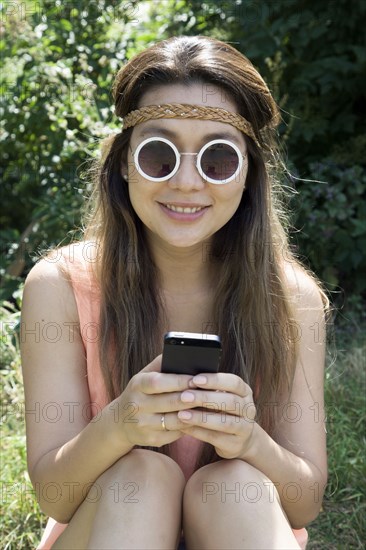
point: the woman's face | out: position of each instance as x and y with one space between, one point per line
158 203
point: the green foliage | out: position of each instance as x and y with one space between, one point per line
59 64
21 516
9 329
331 221
312 56
22 519
343 516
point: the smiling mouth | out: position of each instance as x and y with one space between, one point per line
184 209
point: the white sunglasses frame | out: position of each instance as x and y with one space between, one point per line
198 162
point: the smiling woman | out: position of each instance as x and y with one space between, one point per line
186 225
182 183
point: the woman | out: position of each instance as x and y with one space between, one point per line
184 234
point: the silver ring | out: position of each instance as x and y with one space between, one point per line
162 420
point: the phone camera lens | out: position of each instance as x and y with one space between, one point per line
173 342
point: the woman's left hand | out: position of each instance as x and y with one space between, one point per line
220 411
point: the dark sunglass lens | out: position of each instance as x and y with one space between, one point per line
157 159
220 161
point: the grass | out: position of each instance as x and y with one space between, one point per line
21 519
341 523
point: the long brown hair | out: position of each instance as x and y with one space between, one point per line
252 313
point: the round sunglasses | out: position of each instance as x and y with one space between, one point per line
218 162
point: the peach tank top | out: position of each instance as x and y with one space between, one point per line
78 259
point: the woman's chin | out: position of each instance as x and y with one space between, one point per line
180 242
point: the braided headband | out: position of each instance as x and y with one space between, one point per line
183 110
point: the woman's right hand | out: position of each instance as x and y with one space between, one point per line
149 397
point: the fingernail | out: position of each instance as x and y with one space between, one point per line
187 397
200 379
184 415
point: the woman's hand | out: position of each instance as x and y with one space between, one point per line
223 414
142 414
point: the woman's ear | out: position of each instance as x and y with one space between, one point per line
124 170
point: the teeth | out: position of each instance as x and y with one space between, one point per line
184 210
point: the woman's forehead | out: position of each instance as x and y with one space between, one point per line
208 95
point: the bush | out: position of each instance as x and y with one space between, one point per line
59 64
331 219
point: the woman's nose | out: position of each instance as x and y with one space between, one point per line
187 176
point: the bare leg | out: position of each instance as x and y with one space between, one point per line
231 505
134 504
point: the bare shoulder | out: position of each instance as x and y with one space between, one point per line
45 270
48 273
60 262
48 286
57 263
303 290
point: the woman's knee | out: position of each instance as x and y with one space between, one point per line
139 468
228 481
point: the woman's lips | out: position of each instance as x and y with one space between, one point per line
183 212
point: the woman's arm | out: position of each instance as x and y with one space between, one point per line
66 452
294 459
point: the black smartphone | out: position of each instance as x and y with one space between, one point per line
191 353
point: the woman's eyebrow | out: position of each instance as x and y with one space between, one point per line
157 130
154 130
